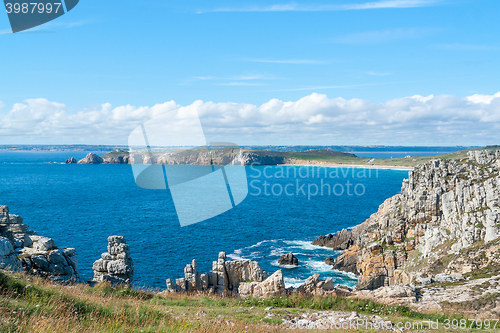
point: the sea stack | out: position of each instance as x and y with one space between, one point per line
116 265
288 259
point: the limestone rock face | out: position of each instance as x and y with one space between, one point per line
225 276
116 265
39 254
91 158
288 259
445 206
71 160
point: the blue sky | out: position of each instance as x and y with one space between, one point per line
144 53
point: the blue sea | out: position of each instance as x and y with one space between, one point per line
81 205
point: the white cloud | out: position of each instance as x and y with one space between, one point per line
485 99
294 7
313 119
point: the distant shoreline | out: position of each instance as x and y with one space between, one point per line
358 166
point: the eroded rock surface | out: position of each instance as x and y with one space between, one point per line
226 276
22 249
288 259
445 206
116 265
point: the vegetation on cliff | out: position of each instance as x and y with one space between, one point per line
32 304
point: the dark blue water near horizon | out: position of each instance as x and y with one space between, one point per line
81 205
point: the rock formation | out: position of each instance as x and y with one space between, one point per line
329 261
8 257
288 259
340 241
445 207
91 158
226 276
270 287
21 248
116 265
314 286
71 160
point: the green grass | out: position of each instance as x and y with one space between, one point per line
30 304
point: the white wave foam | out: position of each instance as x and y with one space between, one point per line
278 252
293 282
262 242
348 274
318 266
235 256
306 245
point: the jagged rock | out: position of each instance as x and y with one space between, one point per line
272 286
225 276
116 265
318 287
170 285
288 259
329 261
340 241
347 261
71 160
39 254
42 244
8 258
91 158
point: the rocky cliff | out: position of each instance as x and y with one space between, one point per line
446 208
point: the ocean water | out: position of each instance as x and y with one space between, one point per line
81 205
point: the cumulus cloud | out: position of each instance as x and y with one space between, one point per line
313 119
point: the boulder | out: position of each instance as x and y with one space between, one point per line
448 277
71 160
329 261
41 243
288 259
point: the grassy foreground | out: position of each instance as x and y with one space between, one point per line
30 304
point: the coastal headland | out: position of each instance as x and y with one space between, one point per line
428 255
